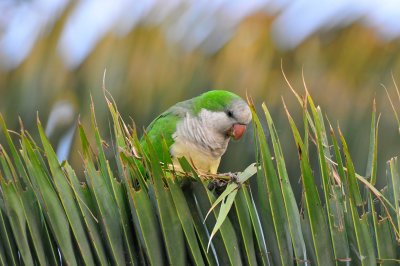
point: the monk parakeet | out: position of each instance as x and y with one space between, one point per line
199 129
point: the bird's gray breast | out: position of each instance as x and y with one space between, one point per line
197 133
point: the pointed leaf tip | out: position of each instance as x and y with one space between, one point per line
374 106
37 118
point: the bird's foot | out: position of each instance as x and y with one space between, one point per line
217 184
222 180
234 178
230 177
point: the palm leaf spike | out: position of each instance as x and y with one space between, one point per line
269 185
370 172
41 237
223 212
384 246
264 248
227 198
361 240
302 101
104 202
313 207
292 212
394 188
115 182
338 238
391 102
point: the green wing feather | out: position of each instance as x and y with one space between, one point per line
164 127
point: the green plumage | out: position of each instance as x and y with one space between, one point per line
163 126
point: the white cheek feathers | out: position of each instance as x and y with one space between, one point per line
217 122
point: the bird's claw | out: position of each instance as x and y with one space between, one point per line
234 178
218 183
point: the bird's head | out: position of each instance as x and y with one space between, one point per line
225 113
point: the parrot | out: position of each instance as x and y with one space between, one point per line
199 129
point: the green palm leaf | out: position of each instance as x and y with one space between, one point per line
142 212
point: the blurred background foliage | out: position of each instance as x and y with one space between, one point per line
344 66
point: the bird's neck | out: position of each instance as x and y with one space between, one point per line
194 131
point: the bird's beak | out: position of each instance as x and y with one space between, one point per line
237 131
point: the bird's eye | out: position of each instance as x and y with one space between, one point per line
229 113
